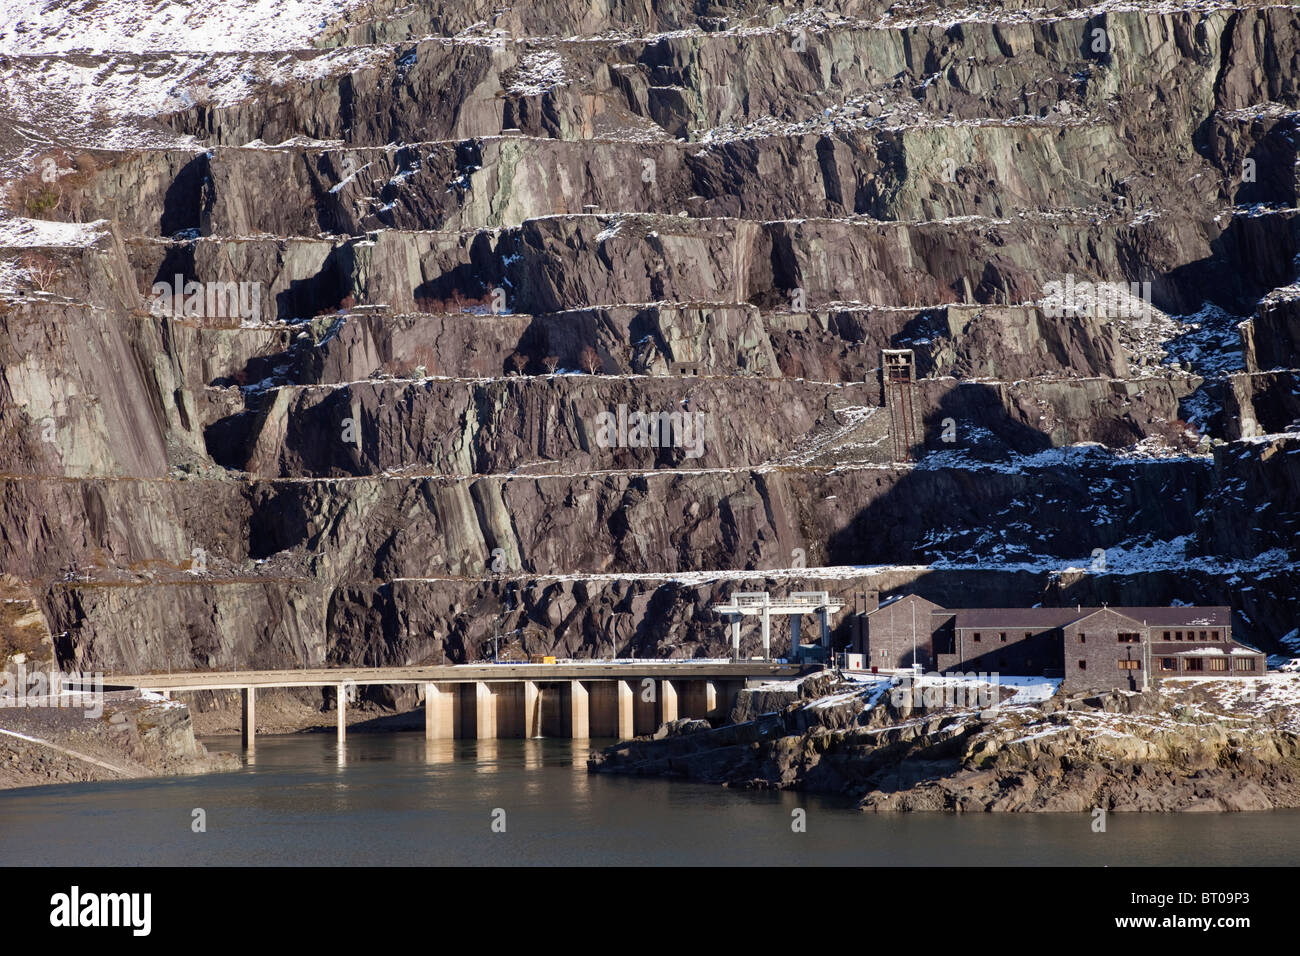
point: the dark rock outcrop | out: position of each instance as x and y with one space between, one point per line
1118 751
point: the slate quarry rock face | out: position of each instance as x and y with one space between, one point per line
314 362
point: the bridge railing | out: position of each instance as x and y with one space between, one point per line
811 598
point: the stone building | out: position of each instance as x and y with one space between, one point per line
1089 647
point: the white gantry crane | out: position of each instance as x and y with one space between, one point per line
794 606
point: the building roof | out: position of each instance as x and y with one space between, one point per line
1225 650
1181 616
1044 618
1017 617
898 599
1049 617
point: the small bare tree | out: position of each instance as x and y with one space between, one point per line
75 184
198 93
42 272
55 188
551 363
518 362
589 360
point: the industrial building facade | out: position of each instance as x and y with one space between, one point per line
1088 647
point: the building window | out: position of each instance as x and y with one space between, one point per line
1083 638
1130 638
1126 665
1195 664
1169 663
1028 635
977 637
1218 663
1002 637
1245 663
1178 635
1083 665
1166 635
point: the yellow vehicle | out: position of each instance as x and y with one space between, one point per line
541 659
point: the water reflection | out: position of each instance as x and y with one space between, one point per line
439 751
485 753
395 798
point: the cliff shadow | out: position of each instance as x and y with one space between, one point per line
329 290
1252 256
1259 166
945 493
182 205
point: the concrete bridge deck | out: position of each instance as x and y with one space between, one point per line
576 699
450 673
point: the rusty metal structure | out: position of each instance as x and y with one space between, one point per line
898 380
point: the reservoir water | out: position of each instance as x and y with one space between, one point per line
392 799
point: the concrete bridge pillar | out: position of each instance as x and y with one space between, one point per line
248 717
825 616
735 637
796 624
767 634
532 710
342 690
626 711
439 712
485 711
579 711
710 698
667 701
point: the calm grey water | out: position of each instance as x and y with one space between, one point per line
394 800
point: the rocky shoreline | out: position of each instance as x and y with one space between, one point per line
134 736
300 710
1191 746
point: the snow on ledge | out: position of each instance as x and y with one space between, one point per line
37 233
141 26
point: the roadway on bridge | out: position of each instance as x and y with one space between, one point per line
457 673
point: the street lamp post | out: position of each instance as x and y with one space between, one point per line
913 636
